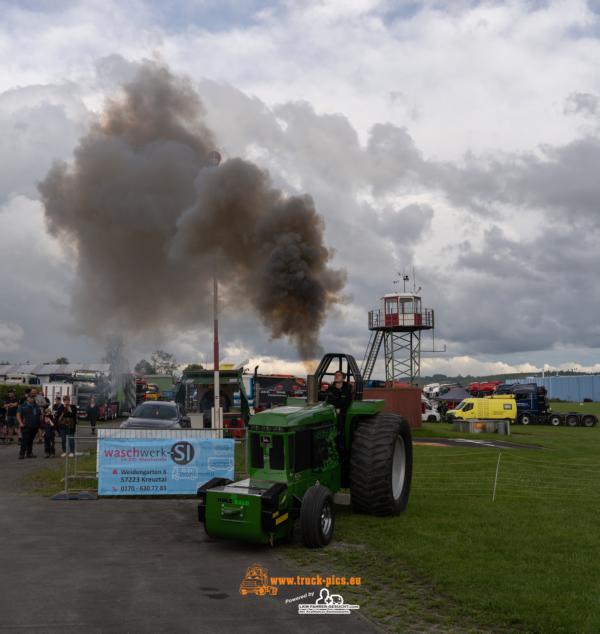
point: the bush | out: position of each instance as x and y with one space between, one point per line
19 390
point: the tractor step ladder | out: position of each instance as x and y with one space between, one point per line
371 354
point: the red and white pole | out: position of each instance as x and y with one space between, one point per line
214 158
216 421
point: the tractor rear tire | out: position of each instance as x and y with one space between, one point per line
572 421
588 421
381 465
316 516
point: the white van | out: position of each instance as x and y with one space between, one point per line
428 413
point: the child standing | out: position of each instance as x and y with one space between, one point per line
49 433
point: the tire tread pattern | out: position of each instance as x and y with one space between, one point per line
371 464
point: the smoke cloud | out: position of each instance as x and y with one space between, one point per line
148 221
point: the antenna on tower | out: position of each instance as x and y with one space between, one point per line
402 277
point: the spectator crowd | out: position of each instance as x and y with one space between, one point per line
33 418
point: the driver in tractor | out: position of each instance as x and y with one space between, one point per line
339 394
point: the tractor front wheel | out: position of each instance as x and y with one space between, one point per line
316 516
381 465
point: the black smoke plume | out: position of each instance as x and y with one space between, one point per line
149 220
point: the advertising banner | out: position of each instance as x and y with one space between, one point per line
161 466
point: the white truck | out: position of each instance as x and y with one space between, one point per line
429 413
64 388
21 379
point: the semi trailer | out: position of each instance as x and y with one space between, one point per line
533 407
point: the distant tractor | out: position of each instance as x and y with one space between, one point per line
299 456
95 385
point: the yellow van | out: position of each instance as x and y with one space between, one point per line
500 407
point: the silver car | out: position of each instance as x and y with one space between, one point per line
157 415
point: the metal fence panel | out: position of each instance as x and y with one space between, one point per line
163 433
567 388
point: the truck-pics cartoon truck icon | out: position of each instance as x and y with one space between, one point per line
256 581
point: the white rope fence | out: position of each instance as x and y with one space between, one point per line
505 474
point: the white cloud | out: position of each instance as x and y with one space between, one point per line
11 335
38 124
36 282
460 78
484 76
467 365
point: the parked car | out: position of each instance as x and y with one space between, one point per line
157 415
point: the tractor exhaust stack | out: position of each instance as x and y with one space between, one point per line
312 394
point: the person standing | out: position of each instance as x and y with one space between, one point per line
11 404
3 427
49 434
67 424
442 409
29 417
40 401
207 402
93 411
55 407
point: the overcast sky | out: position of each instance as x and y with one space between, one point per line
458 138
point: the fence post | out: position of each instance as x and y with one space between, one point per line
75 443
66 474
496 478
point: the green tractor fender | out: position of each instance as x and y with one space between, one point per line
359 410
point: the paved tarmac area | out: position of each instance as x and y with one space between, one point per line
131 565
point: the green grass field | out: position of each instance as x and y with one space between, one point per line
526 562
588 408
456 561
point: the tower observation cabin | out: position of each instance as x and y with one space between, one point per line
398 324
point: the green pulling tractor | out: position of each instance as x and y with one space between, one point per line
299 456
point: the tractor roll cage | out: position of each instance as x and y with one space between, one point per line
332 362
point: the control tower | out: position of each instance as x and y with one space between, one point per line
398 324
